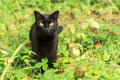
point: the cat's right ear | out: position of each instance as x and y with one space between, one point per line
37 15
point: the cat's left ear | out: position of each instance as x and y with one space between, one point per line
55 15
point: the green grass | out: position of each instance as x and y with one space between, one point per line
89 45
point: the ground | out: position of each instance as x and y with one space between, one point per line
89 45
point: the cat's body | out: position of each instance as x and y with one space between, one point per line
44 36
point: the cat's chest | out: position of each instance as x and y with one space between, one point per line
47 45
46 40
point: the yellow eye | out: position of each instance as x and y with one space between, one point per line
41 24
51 24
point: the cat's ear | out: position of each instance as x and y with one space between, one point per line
55 15
37 15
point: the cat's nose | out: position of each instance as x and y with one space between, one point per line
47 29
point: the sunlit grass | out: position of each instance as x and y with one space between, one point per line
89 45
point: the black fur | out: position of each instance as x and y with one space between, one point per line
44 39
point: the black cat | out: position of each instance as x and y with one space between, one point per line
44 36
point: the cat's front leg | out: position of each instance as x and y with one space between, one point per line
38 57
51 61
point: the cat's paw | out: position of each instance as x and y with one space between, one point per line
60 28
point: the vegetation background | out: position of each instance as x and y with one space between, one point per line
89 45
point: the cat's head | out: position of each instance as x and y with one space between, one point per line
46 23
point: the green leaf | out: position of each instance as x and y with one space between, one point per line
106 57
38 65
45 66
72 29
114 28
44 60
